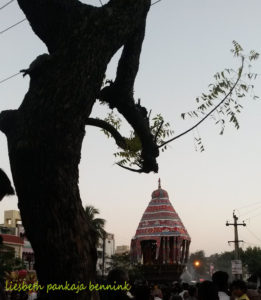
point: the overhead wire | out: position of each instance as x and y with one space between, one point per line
151 3
253 234
12 26
251 244
246 241
23 20
248 205
155 2
10 77
5 5
250 211
254 216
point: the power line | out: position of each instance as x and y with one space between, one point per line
254 216
254 234
12 26
155 2
23 20
252 210
246 241
2 7
251 244
151 3
10 77
248 205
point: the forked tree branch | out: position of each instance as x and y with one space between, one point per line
119 139
120 95
54 20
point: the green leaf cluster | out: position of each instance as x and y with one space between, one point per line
131 156
96 224
8 261
228 91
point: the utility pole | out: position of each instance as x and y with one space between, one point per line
236 241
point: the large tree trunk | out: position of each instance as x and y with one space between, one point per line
45 134
44 151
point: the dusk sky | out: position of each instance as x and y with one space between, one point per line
186 43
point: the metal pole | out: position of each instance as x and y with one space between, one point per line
236 240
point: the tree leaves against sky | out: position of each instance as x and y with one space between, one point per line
224 87
222 102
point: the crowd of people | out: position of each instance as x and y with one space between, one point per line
218 288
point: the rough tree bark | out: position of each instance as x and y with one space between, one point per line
45 134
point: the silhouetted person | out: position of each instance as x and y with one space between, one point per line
142 292
239 290
157 293
2 293
192 290
184 293
220 279
176 297
253 294
116 277
207 291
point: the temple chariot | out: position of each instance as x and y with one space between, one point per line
161 243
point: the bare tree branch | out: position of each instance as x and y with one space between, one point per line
119 139
130 169
120 95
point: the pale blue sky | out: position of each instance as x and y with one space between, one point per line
186 43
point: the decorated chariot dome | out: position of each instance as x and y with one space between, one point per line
161 238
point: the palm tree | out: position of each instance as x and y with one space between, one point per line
96 224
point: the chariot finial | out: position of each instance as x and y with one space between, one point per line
159 183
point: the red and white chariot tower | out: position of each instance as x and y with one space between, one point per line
161 243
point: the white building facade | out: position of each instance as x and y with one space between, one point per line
105 250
